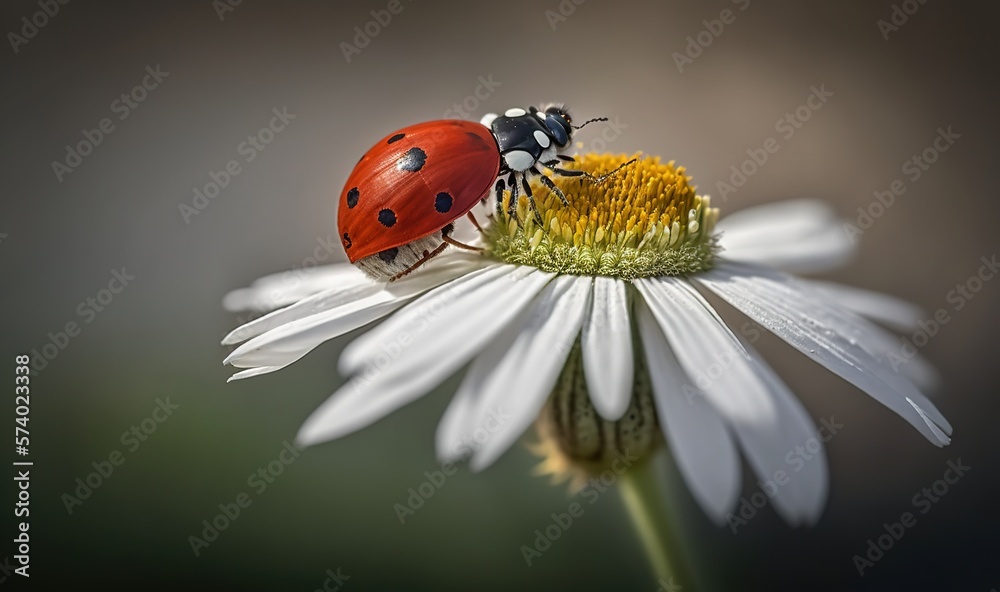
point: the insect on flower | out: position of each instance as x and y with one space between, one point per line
594 325
400 201
586 313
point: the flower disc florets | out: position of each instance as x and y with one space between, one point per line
644 220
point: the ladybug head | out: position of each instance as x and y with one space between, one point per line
559 124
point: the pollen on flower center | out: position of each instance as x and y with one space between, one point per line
645 220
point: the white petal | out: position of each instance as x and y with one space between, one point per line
798 236
809 469
769 423
607 349
453 438
826 333
883 308
432 348
890 311
696 435
290 342
521 382
285 344
829 317
249 373
280 289
478 295
315 304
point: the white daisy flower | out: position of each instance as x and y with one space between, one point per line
595 325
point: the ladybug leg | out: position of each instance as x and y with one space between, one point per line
514 198
427 257
446 237
531 200
475 222
620 167
552 187
565 158
552 166
499 189
460 244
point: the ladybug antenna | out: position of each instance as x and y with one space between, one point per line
589 121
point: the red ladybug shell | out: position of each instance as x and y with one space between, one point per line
414 182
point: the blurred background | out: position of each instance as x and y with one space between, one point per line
684 80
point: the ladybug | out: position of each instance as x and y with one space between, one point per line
398 208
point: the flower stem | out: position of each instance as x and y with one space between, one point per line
646 505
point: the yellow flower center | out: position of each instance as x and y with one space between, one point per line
645 220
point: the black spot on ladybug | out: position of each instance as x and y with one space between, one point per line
388 255
352 197
396 138
442 203
387 217
413 160
347 241
477 141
